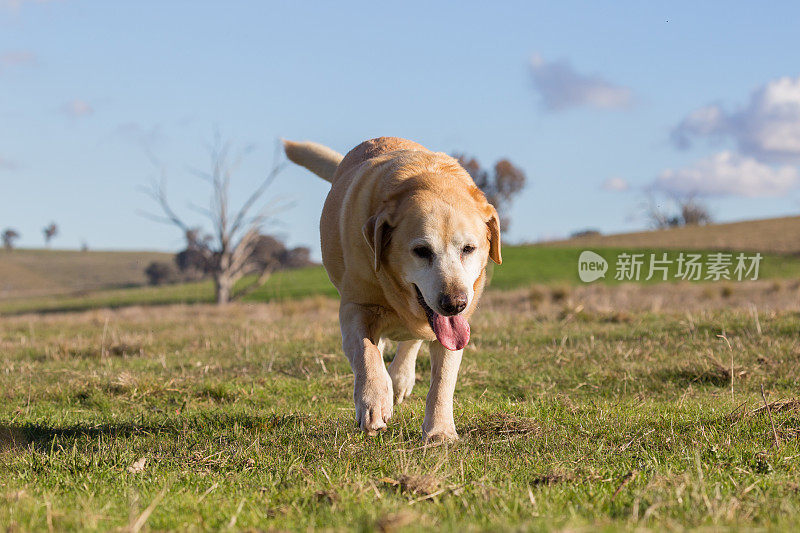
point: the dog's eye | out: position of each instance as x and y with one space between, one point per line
423 252
468 249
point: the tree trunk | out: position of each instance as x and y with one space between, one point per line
223 289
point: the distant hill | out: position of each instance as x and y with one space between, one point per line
772 235
27 273
36 274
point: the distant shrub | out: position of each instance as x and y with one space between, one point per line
193 264
161 273
268 254
296 257
591 232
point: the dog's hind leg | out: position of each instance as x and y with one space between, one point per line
383 345
403 369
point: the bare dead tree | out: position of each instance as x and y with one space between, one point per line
234 234
676 211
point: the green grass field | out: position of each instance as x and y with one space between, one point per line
602 406
196 418
522 266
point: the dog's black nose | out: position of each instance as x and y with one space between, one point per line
452 304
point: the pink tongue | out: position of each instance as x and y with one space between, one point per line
451 331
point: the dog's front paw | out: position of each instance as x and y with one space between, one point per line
373 399
403 379
437 434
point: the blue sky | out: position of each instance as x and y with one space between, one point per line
588 98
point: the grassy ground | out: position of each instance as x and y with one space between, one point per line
283 285
522 266
191 417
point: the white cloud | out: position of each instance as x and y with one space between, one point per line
616 184
561 87
709 121
728 174
77 108
767 128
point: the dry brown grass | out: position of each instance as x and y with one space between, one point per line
775 235
28 273
614 303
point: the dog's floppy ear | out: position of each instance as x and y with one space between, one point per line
493 222
377 232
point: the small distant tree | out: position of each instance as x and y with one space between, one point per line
267 253
296 257
694 213
676 211
9 237
500 186
50 231
234 233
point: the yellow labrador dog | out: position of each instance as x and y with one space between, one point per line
406 236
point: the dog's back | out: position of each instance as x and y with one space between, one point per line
329 164
374 148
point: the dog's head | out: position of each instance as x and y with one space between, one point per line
436 243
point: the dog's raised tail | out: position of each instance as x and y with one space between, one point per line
317 158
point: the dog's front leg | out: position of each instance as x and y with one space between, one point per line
372 391
438 424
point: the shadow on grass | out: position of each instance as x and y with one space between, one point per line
41 437
714 376
50 309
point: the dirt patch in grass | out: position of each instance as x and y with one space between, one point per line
328 496
553 478
419 484
502 424
415 484
790 404
391 522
